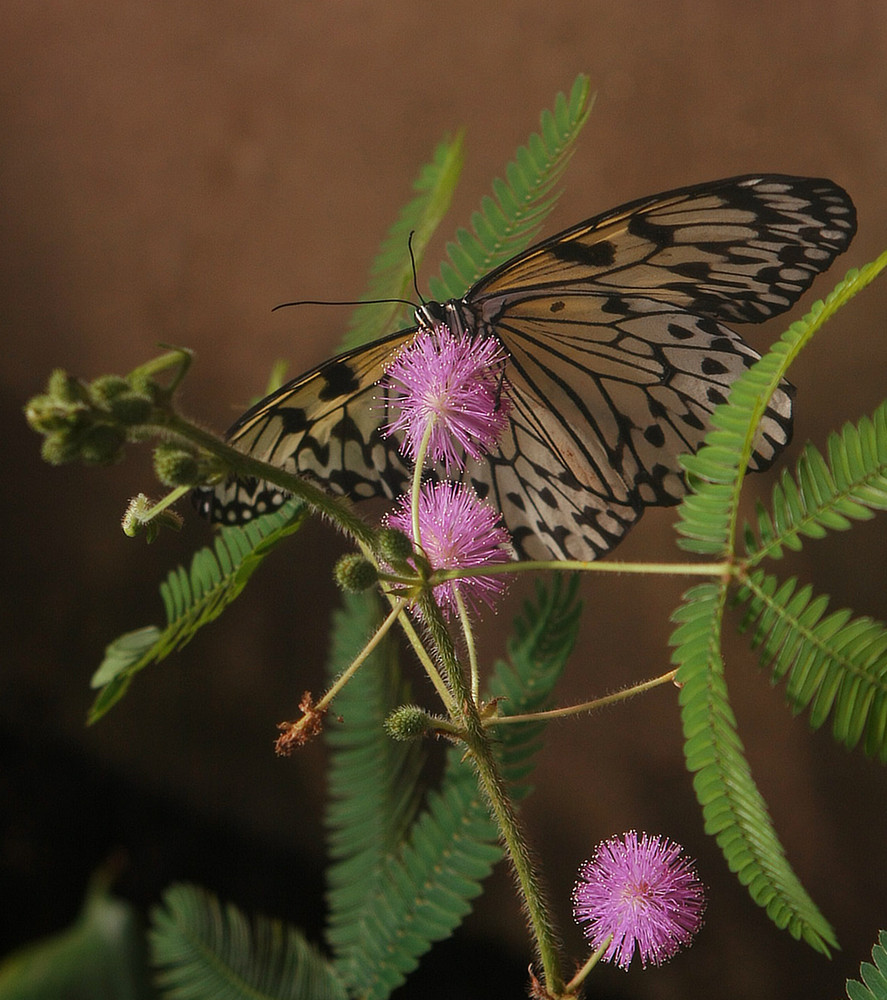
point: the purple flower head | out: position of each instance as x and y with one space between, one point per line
644 893
457 531
454 385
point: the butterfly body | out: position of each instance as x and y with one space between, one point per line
617 354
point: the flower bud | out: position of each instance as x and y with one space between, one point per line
101 444
175 466
408 722
354 573
393 546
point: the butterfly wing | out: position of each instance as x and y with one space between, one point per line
325 425
741 249
618 355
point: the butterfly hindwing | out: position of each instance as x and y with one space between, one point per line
600 409
617 356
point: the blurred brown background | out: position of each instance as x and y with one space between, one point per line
170 171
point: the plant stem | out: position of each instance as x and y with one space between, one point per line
610 566
358 660
492 784
586 706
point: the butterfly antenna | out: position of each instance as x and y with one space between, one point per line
343 302
413 265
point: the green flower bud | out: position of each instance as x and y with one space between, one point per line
175 466
59 448
130 407
354 573
408 722
46 414
101 444
65 388
393 546
105 388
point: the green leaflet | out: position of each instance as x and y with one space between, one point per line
707 516
825 494
193 598
733 809
373 781
874 976
391 274
394 889
508 221
203 949
831 663
834 664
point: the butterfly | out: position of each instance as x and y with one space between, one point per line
617 355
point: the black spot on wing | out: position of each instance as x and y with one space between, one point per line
660 236
601 254
655 435
711 366
293 419
339 380
679 332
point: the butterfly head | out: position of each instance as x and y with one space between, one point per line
430 315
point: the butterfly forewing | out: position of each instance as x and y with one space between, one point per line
742 249
617 357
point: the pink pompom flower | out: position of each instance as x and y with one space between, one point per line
456 387
644 894
457 531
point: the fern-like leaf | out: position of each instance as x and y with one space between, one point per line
834 664
734 810
193 598
825 494
391 274
873 975
366 819
425 885
508 221
202 949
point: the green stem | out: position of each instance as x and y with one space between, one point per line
246 465
470 645
586 706
573 985
360 659
720 569
492 784
417 483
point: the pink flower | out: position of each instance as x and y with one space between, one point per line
644 894
455 386
457 531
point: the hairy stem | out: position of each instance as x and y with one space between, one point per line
492 784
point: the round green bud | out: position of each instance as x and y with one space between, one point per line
101 444
408 722
145 385
107 387
59 448
44 415
393 546
130 407
175 466
354 573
